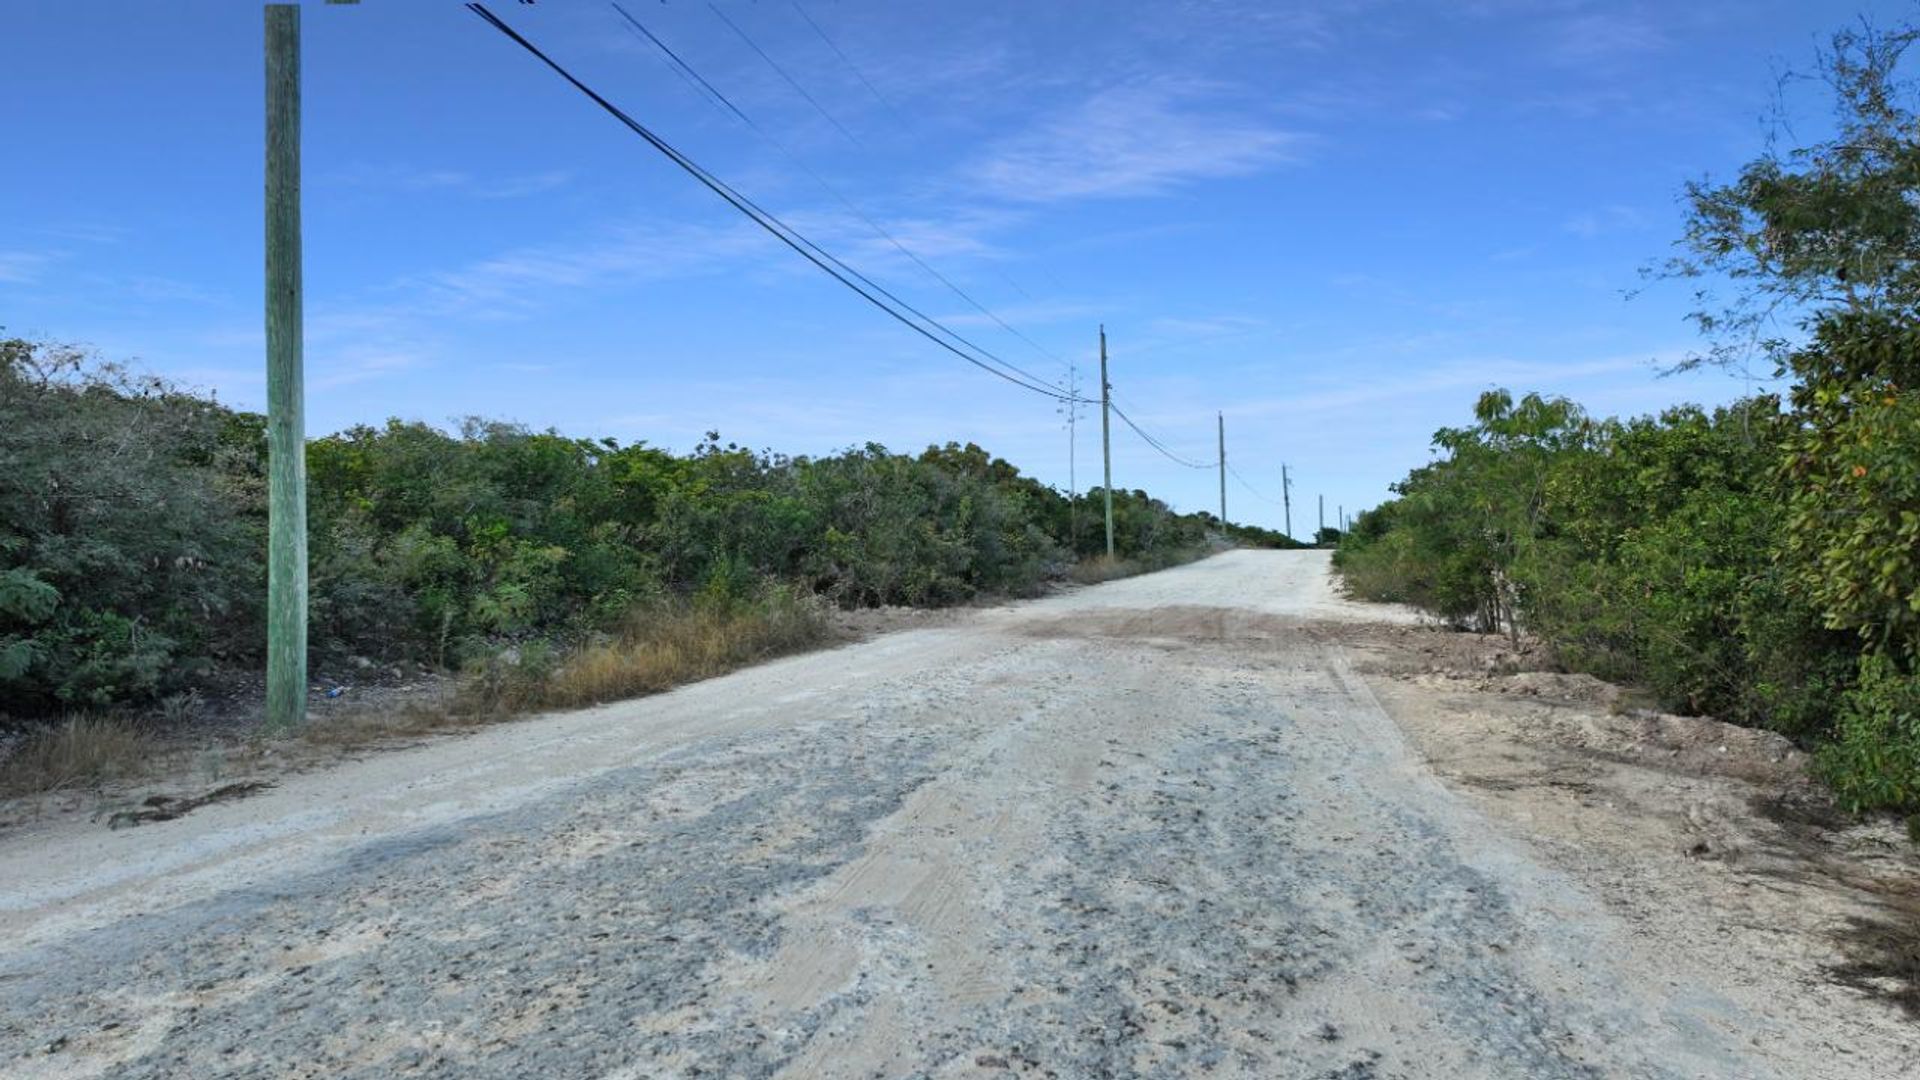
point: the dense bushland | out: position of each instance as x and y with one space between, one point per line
1760 562
132 539
1644 550
1687 553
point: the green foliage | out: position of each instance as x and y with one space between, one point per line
130 532
1831 226
1644 550
1853 516
1761 564
1257 537
1472 520
1874 759
132 535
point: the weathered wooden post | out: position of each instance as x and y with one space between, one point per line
286 404
1222 418
1106 438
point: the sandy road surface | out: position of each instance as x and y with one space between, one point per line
1155 828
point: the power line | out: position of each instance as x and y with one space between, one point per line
902 120
851 66
825 260
812 252
782 72
1251 490
683 69
691 76
1158 445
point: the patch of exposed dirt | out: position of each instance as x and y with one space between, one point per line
1180 624
863 623
1709 837
212 736
168 807
212 739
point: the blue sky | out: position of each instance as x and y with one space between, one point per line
1336 222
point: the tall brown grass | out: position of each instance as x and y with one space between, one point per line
80 751
1101 568
661 646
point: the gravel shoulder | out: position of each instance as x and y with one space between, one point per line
1709 842
1203 822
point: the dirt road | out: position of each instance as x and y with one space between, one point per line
1154 828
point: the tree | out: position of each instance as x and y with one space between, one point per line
128 552
1825 228
1827 237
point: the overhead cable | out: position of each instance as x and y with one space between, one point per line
846 275
1161 447
851 66
782 72
812 252
1251 490
694 78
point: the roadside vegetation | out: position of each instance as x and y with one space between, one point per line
1759 562
547 571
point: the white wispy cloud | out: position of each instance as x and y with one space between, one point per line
1137 139
967 232
23 267
85 232
407 178
1038 313
1602 36
1518 375
345 365
1606 219
402 326
171 290
619 255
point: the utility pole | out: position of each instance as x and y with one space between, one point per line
1073 451
286 420
1106 436
1222 417
1340 519
1323 519
1286 497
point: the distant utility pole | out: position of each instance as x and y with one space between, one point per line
1073 453
1286 497
1340 518
286 420
1222 417
1323 519
1106 436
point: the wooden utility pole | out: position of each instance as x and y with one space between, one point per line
1106 437
286 420
1073 457
1286 497
1222 418
1323 519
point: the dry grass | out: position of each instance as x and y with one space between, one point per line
1104 568
368 725
661 647
1101 568
80 751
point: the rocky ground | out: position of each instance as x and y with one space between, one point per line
1213 821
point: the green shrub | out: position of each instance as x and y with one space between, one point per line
1758 563
1873 761
1853 469
129 532
132 535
